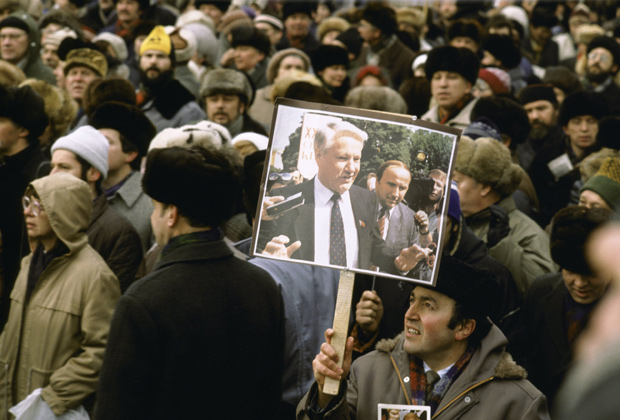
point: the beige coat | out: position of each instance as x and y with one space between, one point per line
57 338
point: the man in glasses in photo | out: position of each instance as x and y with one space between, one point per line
602 64
61 305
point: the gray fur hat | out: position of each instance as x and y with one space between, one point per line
488 161
228 82
205 134
378 98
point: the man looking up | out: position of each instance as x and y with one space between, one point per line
603 62
84 154
449 357
163 333
162 98
297 16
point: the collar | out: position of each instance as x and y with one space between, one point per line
323 195
191 239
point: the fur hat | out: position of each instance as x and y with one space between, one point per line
233 19
252 37
608 129
562 78
258 140
128 120
227 82
507 115
328 55
449 58
332 23
292 7
24 107
204 134
466 28
504 49
570 230
582 103
10 74
75 52
543 16
89 144
183 55
606 182
607 43
411 16
381 16
116 42
157 40
537 92
482 127
498 79
586 33
195 16
200 182
104 90
488 161
352 41
280 87
274 63
378 98
223 5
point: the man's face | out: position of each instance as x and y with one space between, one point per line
540 34
542 116
13 44
297 25
246 57
592 200
128 11
464 42
339 164
116 157
438 188
290 63
584 289
392 186
272 33
154 63
449 88
12 137
38 227
223 109
49 55
427 335
334 75
65 161
582 131
368 31
213 12
159 219
469 194
77 79
600 64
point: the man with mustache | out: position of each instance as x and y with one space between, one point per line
601 67
162 98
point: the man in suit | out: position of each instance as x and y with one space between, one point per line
332 204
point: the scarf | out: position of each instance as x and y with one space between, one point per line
576 317
418 380
39 262
444 116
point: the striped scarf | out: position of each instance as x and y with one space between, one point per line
418 380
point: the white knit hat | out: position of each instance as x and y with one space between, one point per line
89 144
183 54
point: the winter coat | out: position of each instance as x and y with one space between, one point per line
460 120
395 57
524 251
492 386
56 339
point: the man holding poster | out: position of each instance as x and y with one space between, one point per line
328 220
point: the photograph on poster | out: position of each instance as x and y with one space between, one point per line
355 189
403 412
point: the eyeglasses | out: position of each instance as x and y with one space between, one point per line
11 37
283 176
35 207
603 58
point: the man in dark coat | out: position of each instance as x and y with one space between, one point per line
204 324
603 63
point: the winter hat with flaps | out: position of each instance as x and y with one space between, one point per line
128 120
75 52
606 182
205 134
488 162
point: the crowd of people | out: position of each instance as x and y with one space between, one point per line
133 140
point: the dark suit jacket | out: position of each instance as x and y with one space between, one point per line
298 224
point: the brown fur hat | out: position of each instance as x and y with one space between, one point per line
488 161
104 90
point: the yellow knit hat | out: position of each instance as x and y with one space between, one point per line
157 40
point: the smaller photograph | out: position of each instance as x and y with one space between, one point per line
403 412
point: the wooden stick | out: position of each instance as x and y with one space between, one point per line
341 324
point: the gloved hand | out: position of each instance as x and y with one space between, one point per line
499 226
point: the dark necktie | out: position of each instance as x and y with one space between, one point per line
337 248
431 379
382 220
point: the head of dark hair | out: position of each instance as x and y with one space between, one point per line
85 166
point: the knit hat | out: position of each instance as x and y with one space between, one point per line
272 20
195 16
570 230
252 37
157 40
183 55
116 42
292 7
370 70
488 161
204 134
207 43
606 182
381 16
24 108
328 55
233 19
261 142
607 43
454 206
582 103
586 33
274 63
14 22
562 78
504 49
128 120
498 79
332 23
466 28
55 38
482 127
352 41
538 92
227 82
449 58
89 144
420 60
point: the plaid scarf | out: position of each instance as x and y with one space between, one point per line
418 380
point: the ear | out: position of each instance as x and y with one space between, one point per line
241 107
463 331
172 215
565 128
485 190
92 175
23 132
468 89
131 156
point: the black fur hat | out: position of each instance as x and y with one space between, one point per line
25 108
381 16
609 44
582 103
504 49
449 58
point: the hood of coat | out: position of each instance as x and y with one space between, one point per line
67 201
490 359
34 36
